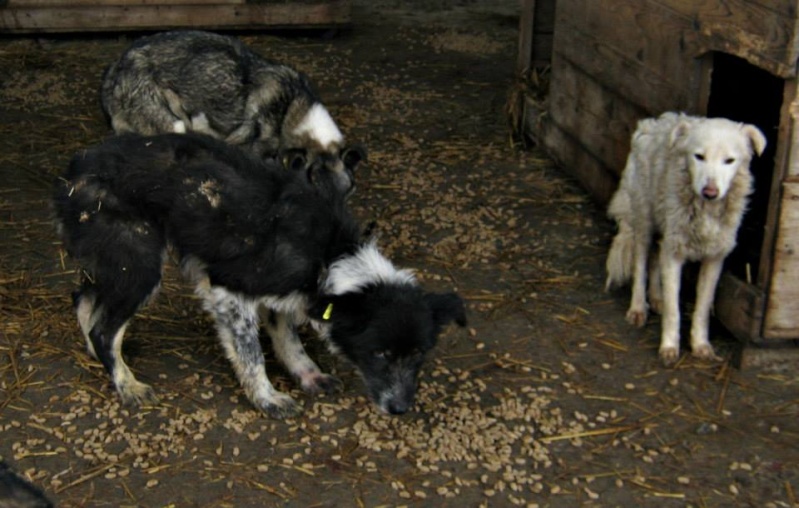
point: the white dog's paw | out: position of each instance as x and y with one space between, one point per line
656 305
705 352
636 317
669 355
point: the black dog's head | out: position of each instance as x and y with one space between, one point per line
385 330
326 169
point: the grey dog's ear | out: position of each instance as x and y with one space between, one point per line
756 137
293 159
353 155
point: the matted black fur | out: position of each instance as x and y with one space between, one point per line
250 234
17 492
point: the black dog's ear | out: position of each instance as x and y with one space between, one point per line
353 155
446 307
294 159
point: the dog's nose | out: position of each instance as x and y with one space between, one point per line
710 191
398 407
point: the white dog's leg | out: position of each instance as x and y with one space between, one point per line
289 350
655 287
636 315
709 273
670 272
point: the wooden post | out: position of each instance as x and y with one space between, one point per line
526 33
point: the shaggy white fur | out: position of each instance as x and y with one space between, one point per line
319 125
687 180
367 266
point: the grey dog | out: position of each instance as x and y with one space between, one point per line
190 80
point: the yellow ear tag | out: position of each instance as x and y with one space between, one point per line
328 312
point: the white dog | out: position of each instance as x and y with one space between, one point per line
687 181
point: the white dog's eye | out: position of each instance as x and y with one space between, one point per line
729 160
699 157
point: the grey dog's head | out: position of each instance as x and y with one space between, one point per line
334 169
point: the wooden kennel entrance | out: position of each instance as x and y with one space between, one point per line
616 61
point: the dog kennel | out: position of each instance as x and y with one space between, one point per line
610 63
38 16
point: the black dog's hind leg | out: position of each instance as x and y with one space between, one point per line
103 317
123 260
290 351
237 325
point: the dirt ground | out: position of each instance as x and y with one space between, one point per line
547 398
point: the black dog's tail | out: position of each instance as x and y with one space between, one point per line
17 492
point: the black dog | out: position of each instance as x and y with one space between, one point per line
250 234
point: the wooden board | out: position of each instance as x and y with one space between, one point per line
32 4
763 32
591 172
782 308
536 29
148 16
739 307
631 50
780 357
526 36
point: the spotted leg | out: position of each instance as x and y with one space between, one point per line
290 351
236 320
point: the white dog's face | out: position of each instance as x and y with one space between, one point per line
715 150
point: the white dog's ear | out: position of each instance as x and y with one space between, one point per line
679 133
756 137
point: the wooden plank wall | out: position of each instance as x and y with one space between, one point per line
611 66
781 313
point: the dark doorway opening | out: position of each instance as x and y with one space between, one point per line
743 92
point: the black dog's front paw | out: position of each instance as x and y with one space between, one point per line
280 406
321 383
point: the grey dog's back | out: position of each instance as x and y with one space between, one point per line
180 75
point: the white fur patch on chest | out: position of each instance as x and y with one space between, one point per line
319 125
367 266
